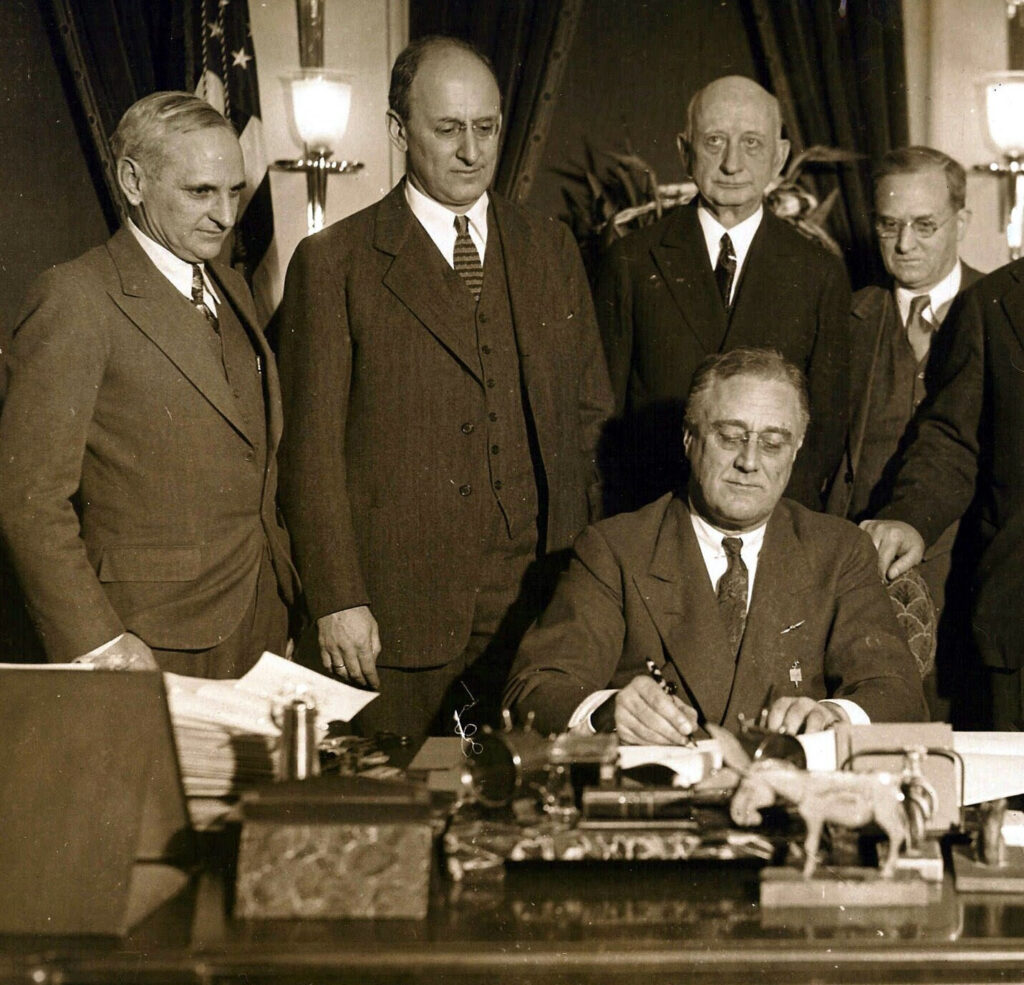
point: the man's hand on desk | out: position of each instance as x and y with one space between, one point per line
350 645
646 715
899 546
127 652
796 715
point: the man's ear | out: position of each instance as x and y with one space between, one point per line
129 177
396 131
963 218
781 156
687 440
685 149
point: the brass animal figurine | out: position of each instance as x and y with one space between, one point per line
851 800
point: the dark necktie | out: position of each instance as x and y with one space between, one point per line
919 328
198 301
725 269
467 260
732 593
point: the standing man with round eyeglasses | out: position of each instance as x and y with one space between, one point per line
920 221
444 392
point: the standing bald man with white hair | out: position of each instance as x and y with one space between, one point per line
717 274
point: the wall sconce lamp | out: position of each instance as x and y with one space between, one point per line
320 101
1003 95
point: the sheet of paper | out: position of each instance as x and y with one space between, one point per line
993 764
274 677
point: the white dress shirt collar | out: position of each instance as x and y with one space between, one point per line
176 270
742 235
439 222
709 539
940 297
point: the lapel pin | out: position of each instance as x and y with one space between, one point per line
796 674
789 629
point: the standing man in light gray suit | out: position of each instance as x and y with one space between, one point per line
444 391
140 430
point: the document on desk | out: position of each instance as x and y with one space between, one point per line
247 704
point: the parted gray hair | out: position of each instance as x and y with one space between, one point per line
917 159
762 364
147 123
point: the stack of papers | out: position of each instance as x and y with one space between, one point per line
226 731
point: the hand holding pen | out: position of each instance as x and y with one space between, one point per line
649 712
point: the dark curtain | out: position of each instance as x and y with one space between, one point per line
111 53
837 67
528 41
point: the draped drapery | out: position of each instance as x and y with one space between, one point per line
838 70
529 42
113 52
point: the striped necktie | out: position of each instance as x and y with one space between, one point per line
467 260
199 301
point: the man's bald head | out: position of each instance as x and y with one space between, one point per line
734 145
733 89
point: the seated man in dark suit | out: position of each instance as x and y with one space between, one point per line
732 592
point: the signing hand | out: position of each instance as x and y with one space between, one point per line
899 546
128 653
796 715
350 645
646 715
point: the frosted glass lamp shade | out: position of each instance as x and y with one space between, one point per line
321 101
1004 111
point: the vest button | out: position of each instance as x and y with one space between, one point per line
485 349
465 490
492 416
490 383
483 316
250 455
467 428
495 449
498 483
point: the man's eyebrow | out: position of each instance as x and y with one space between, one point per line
771 429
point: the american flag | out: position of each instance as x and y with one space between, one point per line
227 80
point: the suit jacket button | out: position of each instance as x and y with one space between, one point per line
250 455
467 428
465 490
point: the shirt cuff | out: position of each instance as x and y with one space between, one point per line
579 721
855 715
99 650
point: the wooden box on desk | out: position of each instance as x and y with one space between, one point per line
334 848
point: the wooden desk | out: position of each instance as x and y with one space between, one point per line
649 924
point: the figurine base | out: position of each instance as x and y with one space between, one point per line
926 861
846 886
972 876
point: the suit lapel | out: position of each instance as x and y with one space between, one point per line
246 311
1013 304
778 610
412 276
758 290
156 308
682 260
525 273
677 593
